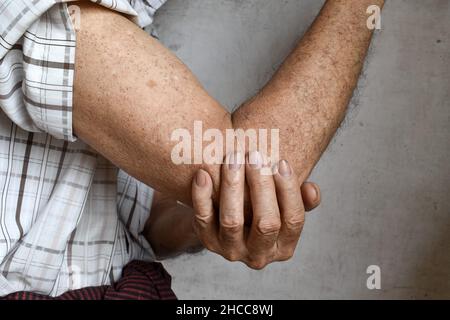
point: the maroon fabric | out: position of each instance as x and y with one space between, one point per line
140 281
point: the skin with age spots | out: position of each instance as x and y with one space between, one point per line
151 84
306 99
131 124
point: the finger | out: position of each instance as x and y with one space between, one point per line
291 208
205 222
231 233
266 215
311 195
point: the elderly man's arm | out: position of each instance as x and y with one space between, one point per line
131 94
308 96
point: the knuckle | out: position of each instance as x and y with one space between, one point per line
268 227
231 256
257 264
260 182
295 223
286 254
231 224
202 221
231 183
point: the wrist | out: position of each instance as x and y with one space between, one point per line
193 243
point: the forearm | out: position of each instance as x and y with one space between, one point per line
307 98
169 229
131 94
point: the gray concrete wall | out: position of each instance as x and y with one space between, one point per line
386 176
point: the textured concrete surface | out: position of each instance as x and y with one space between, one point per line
386 176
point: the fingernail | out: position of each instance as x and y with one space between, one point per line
255 160
312 193
234 161
317 191
200 178
284 168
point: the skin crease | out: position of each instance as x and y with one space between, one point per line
127 104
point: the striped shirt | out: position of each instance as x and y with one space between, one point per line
139 281
68 218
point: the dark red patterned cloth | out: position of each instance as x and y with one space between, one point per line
140 281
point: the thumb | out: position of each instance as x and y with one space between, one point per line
311 195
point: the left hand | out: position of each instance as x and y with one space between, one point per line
278 212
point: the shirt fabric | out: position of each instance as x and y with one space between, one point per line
68 217
140 281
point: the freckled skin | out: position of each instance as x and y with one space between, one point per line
151 84
131 93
